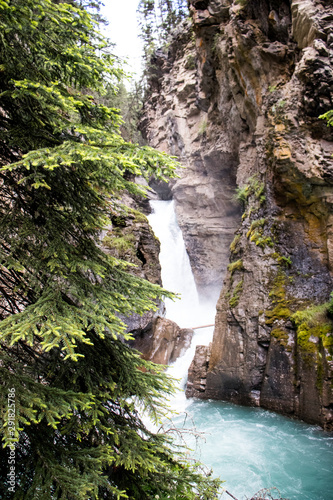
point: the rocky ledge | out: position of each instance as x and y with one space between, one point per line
163 342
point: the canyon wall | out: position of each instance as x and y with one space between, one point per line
237 95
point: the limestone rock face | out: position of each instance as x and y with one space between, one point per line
176 120
131 239
237 97
197 373
164 342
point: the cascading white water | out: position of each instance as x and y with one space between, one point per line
249 448
177 277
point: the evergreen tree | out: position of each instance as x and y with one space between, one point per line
70 386
158 19
130 104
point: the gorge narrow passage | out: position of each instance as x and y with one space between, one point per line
249 448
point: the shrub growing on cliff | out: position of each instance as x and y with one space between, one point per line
253 187
74 383
328 117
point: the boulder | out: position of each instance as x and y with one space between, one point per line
163 342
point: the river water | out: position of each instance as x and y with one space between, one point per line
249 448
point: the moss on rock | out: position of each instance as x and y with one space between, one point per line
235 266
234 243
314 326
233 302
282 335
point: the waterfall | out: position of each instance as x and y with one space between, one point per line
176 269
188 311
250 448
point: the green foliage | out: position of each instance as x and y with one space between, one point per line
260 241
242 193
122 243
65 165
235 266
258 223
255 233
314 323
253 188
138 216
233 302
328 117
158 20
234 243
285 261
130 104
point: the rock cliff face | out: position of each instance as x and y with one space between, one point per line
131 239
237 96
177 120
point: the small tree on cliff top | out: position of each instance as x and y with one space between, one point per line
158 19
76 383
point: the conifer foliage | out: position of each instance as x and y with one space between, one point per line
158 19
75 383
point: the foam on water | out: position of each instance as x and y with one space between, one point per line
252 449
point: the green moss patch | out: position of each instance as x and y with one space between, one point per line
280 311
256 234
253 188
139 216
120 242
282 335
233 302
260 241
233 245
235 266
258 223
314 322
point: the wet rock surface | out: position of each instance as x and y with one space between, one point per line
197 373
163 342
